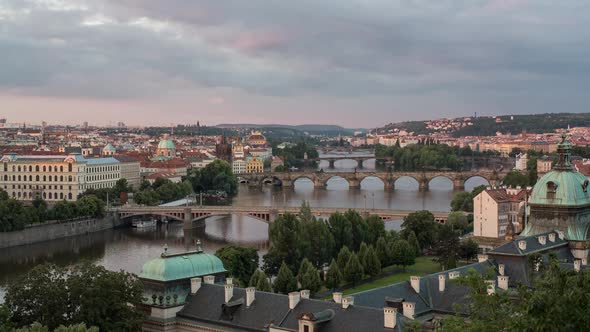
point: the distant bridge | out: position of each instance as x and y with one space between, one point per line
354 179
360 159
193 214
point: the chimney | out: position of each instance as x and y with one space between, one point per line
337 296
250 295
441 282
209 279
501 269
542 239
577 265
347 302
454 275
293 300
551 237
229 281
522 245
415 282
389 317
305 293
229 292
195 285
482 258
491 286
408 309
503 282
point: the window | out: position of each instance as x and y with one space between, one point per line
61 169
5 167
69 167
37 178
69 196
19 168
37 168
44 168
551 189
30 168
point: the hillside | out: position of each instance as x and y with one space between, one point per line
313 129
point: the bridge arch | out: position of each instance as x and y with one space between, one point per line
172 216
374 180
342 183
407 182
442 181
475 180
274 180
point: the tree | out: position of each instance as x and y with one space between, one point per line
284 234
343 257
309 277
3 195
516 178
359 228
37 327
447 247
353 272
341 229
468 249
334 276
285 281
90 206
5 322
316 241
217 176
423 225
362 253
457 220
462 201
86 293
371 263
413 241
375 229
383 251
402 254
240 262
260 281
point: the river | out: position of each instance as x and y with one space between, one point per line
127 249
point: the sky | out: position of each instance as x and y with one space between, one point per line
355 63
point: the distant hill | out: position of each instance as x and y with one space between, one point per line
314 129
488 126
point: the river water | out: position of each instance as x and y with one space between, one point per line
127 249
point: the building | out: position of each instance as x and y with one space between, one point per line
109 150
130 169
544 165
238 150
254 165
56 177
238 166
176 166
499 213
275 162
256 139
166 149
521 161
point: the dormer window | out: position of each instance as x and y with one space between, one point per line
585 186
551 189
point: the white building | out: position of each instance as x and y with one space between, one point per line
56 177
521 161
498 212
238 166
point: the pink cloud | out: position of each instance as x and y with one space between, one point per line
255 41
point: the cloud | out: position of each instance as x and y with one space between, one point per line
492 55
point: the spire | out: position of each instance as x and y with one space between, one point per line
199 248
165 253
564 150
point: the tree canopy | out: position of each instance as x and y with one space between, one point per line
240 262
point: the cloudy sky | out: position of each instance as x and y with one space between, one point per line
357 63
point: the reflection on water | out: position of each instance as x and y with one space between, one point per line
128 249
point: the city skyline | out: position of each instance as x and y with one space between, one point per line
353 64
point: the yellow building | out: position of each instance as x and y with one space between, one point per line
254 165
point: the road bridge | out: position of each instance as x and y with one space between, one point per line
192 215
354 179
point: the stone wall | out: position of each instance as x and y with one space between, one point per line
54 230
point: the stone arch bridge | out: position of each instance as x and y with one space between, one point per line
195 215
354 179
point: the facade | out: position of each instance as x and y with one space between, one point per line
521 161
56 177
130 169
499 213
256 139
239 166
109 150
544 165
254 165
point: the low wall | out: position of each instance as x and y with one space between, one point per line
54 230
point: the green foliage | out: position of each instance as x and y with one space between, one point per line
285 281
353 272
516 178
77 328
293 156
5 315
383 251
334 276
343 258
423 225
413 241
240 262
371 263
162 190
309 277
375 229
447 248
217 176
402 253
463 201
316 241
457 220
341 229
284 234
90 206
359 228
260 281
468 249
425 156
86 293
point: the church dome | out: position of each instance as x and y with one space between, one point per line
109 148
188 265
563 185
166 144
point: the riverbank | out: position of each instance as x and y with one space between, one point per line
53 230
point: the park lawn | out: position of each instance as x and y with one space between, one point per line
423 264
386 281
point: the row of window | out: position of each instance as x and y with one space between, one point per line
14 186
44 195
102 169
38 168
102 177
38 178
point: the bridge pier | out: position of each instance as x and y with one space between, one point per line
286 183
360 163
332 163
458 184
389 185
423 185
317 183
187 223
354 184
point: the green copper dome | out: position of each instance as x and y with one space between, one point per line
166 144
563 185
181 266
